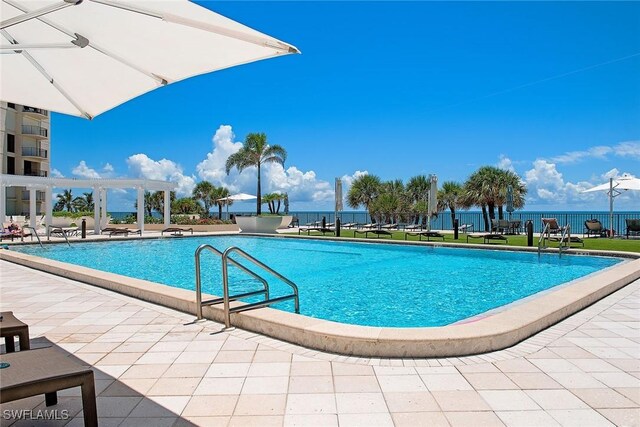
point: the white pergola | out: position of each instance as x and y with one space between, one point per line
99 186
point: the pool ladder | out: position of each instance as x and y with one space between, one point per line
565 239
226 299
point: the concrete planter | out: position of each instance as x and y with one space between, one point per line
286 220
258 224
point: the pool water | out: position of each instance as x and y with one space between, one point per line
357 283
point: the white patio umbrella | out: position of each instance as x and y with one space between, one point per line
433 199
86 57
614 188
236 197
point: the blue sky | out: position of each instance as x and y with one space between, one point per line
550 90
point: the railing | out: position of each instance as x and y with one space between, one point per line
226 299
35 130
34 232
544 236
34 152
34 173
565 239
40 111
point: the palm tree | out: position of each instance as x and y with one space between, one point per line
364 190
417 191
204 192
65 201
256 152
84 203
508 178
449 196
218 194
185 205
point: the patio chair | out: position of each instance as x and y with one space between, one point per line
554 227
318 229
46 371
572 239
421 234
464 228
633 227
593 227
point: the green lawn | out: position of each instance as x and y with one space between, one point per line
597 243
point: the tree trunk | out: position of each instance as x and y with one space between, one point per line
492 210
259 200
278 207
220 211
500 212
453 216
485 217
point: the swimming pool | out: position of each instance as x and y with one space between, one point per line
365 284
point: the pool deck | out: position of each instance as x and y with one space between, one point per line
155 367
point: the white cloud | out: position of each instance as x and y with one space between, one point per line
141 166
599 152
505 163
84 171
302 186
55 173
628 149
108 168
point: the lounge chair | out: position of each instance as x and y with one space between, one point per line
465 228
295 222
593 227
10 327
349 225
176 231
572 239
368 226
554 227
633 227
46 371
114 231
376 232
486 237
427 234
389 226
318 229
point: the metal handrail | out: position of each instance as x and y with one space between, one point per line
565 238
34 232
61 231
200 303
546 233
225 285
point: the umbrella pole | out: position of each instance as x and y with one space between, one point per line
610 208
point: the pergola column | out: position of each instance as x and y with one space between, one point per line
141 209
96 210
32 207
48 207
103 207
3 203
167 208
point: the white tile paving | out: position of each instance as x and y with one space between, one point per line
154 367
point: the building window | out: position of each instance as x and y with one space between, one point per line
11 165
11 143
11 105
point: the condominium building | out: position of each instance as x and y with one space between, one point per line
25 149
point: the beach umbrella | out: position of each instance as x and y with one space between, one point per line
510 208
614 188
85 57
433 199
240 197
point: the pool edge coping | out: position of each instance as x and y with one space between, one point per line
495 332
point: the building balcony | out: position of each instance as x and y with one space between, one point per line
39 196
38 113
34 173
34 152
34 130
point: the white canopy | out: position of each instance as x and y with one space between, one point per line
614 188
86 57
241 197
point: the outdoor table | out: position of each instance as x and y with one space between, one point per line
9 328
45 371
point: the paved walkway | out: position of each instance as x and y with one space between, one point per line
155 367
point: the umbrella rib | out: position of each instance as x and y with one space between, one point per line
226 32
28 15
158 79
46 75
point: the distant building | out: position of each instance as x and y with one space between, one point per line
25 149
